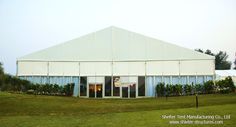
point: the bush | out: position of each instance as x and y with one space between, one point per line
31 91
160 89
56 89
225 86
168 90
199 88
188 89
209 87
229 83
69 88
179 89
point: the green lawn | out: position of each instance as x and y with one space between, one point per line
40 111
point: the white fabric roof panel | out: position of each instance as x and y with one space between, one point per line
226 72
114 44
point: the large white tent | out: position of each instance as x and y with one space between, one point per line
116 62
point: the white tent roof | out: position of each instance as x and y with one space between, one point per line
225 73
114 44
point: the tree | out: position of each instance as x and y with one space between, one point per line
225 85
1 75
230 84
1 68
208 52
235 63
199 50
221 62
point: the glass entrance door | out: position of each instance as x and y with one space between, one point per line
95 90
91 90
129 91
132 90
99 90
125 92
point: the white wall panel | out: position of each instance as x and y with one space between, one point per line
170 67
95 68
136 68
93 80
64 68
32 68
120 68
197 67
128 79
163 68
154 68
133 79
128 68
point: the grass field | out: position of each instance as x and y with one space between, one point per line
40 111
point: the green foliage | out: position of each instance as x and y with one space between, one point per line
230 83
209 87
235 63
208 52
13 83
179 89
2 77
168 90
192 89
56 89
226 85
1 69
199 50
221 61
188 89
171 90
199 88
69 89
160 89
52 89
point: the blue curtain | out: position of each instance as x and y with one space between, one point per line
192 79
175 80
200 79
150 86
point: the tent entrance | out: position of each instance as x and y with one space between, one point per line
95 90
129 91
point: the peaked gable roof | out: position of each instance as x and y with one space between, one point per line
114 44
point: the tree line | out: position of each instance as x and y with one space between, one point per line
221 86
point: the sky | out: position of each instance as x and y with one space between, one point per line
27 26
